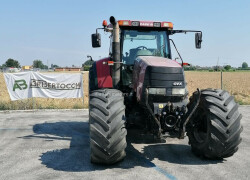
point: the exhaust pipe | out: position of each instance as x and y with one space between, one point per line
112 20
116 54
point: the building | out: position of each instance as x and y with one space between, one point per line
26 68
68 69
11 70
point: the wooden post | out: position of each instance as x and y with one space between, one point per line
221 79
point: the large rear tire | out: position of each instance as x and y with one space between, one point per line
107 126
214 129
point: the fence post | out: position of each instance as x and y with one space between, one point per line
82 88
221 80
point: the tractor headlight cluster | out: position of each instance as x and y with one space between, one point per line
159 91
178 91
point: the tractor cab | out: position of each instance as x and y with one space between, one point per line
142 38
138 41
138 38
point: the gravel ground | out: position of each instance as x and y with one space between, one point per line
55 145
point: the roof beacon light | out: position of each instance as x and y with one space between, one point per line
104 23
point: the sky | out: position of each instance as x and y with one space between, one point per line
59 31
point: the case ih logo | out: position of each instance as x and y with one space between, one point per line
20 84
177 83
147 24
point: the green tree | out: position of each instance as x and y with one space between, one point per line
244 65
12 63
39 64
86 68
55 66
227 67
190 68
89 62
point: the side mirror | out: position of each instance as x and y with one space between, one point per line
198 40
96 40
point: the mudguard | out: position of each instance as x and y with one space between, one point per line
100 75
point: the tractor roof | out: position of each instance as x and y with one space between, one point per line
151 24
141 24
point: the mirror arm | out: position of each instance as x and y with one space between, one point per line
197 40
98 29
183 31
105 29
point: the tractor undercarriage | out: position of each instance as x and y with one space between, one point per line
159 118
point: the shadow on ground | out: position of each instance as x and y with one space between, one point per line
77 157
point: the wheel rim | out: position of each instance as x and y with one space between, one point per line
200 126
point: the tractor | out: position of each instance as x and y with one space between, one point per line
139 84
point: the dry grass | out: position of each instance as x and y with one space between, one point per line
237 83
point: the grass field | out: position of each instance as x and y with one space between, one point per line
237 83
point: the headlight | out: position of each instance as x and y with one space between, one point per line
161 91
178 91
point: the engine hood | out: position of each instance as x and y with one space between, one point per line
157 61
151 71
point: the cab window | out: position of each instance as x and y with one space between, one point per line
143 43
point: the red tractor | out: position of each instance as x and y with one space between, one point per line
139 84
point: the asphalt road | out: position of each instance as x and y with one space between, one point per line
55 145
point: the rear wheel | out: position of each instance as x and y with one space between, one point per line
214 129
107 126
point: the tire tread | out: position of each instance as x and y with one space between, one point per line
107 126
224 128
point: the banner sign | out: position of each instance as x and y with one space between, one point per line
51 85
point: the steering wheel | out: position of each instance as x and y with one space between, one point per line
142 47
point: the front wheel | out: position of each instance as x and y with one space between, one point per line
107 126
214 129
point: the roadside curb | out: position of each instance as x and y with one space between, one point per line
56 110
41 110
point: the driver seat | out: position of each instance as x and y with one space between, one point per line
144 52
133 53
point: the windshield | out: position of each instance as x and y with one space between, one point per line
143 43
